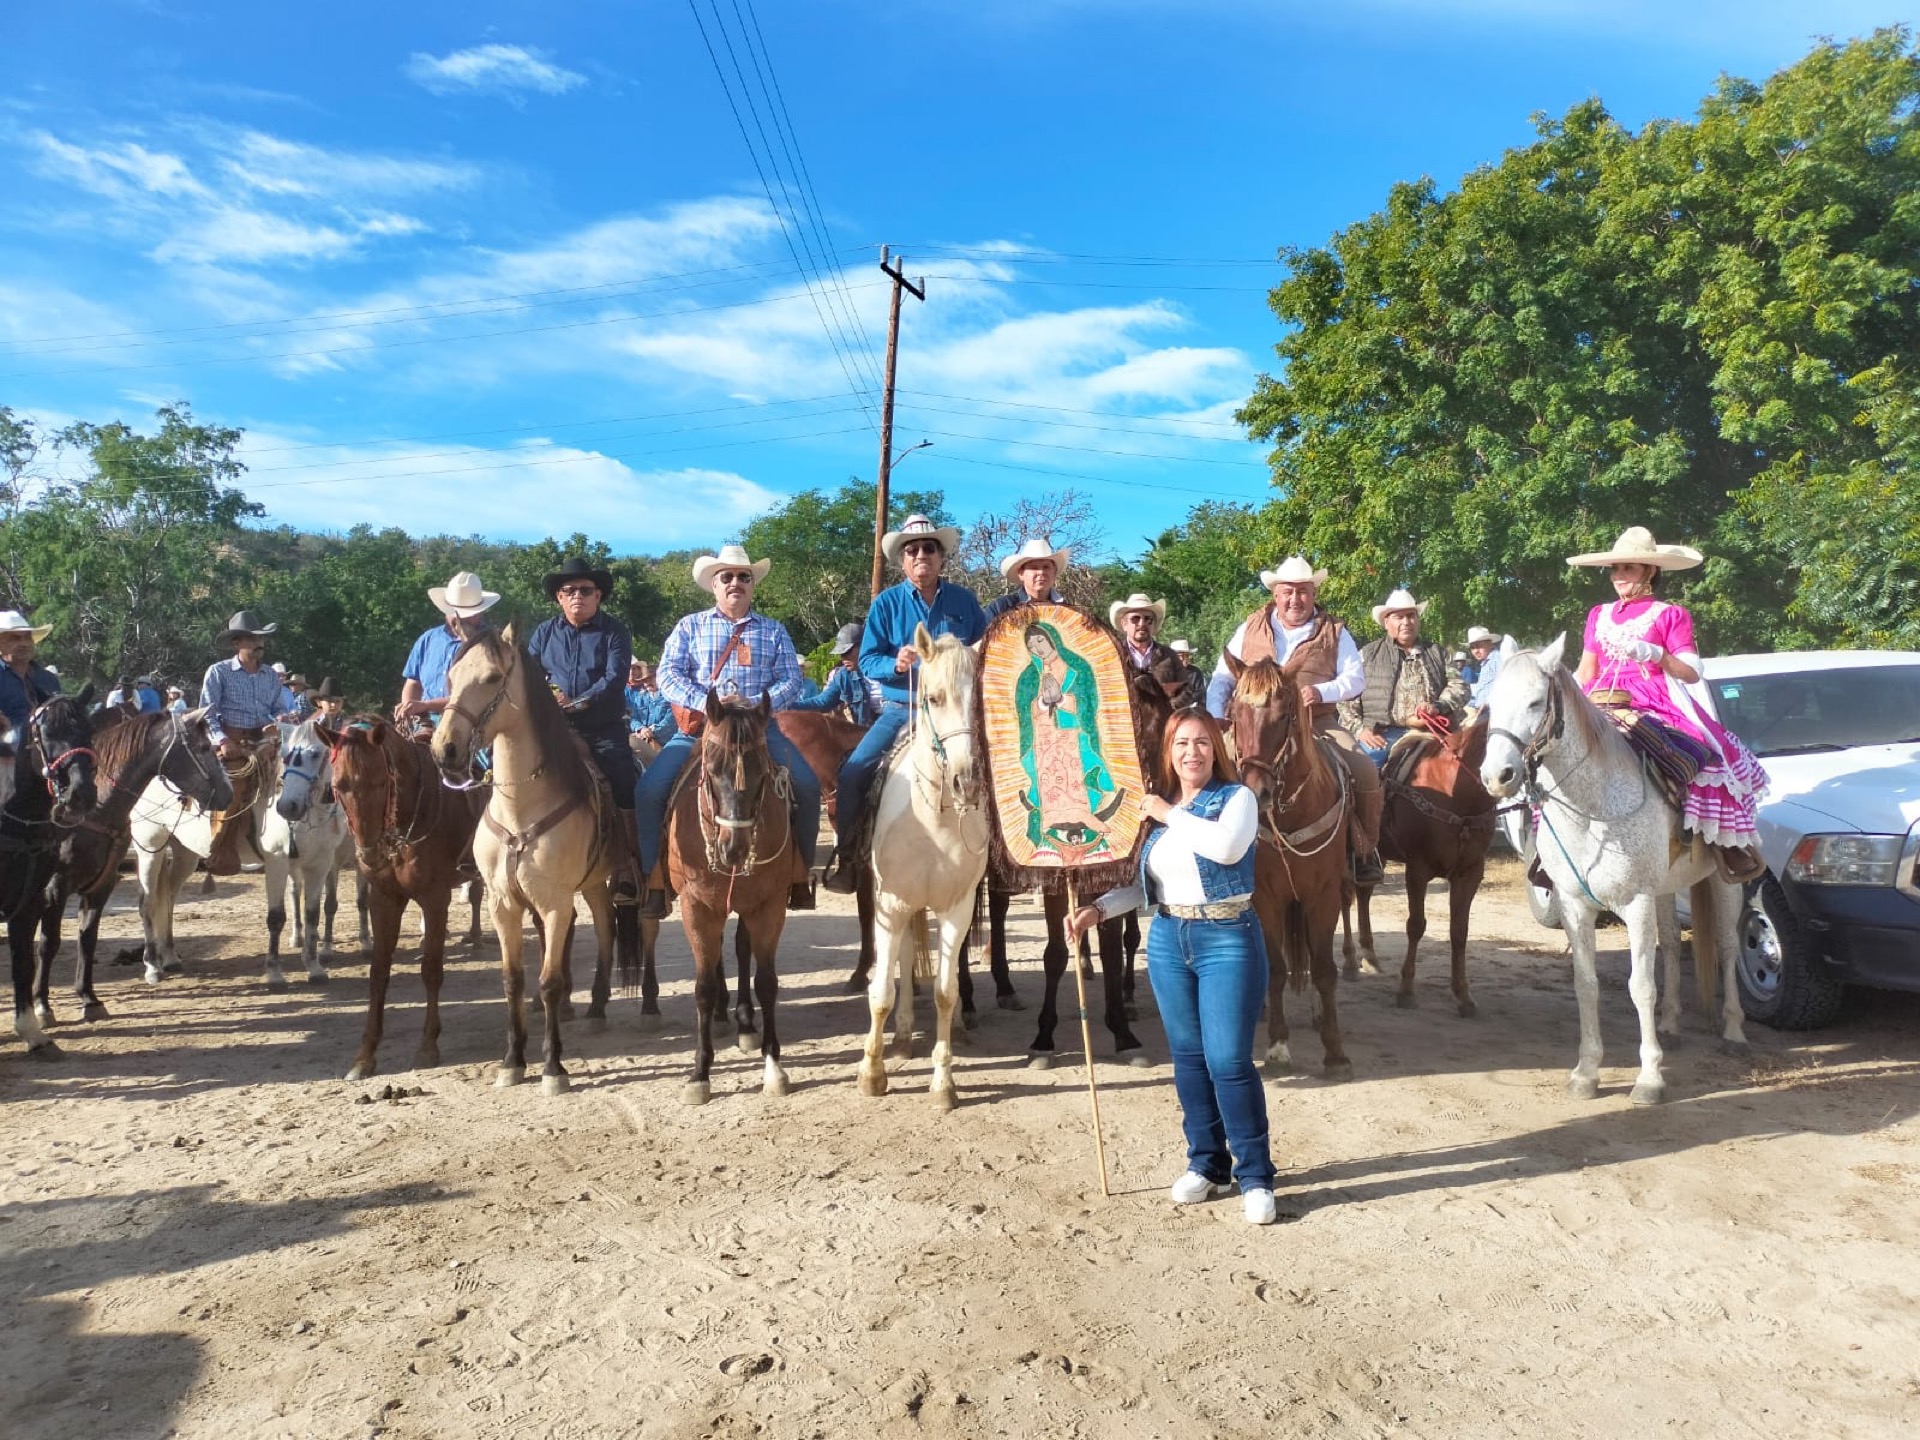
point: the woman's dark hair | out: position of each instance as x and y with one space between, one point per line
1224 770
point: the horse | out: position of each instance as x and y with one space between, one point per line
1608 841
728 845
930 843
547 833
1438 822
1300 868
9 753
54 790
409 832
306 827
132 751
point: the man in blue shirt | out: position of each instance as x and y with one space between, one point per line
920 548
148 694
650 722
846 685
423 689
730 650
1034 572
243 699
25 685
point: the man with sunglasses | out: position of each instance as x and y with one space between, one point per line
25 684
730 650
920 548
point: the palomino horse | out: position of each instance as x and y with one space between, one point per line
131 752
1608 841
929 852
547 834
54 790
1300 869
1438 822
307 828
729 849
409 832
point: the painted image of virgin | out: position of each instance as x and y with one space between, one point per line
1070 792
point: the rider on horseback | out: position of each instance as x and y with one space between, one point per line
1410 683
25 685
243 697
463 601
846 685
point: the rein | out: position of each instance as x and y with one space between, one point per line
714 826
938 790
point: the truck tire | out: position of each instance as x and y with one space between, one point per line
1783 983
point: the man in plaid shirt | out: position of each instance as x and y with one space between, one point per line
730 650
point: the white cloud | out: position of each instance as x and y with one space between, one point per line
117 171
491 69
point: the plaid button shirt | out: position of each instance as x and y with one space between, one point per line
763 663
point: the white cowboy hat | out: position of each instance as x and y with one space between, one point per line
1034 550
731 557
462 596
1136 601
1636 547
1399 600
12 622
278 669
1294 570
1180 647
1477 633
918 527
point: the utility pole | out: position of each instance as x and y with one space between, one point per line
894 272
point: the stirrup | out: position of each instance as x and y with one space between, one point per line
653 905
1367 869
1738 864
800 895
842 876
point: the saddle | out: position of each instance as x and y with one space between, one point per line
246 770
1405 757
1670 757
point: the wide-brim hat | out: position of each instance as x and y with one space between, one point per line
918 527
1636 546
1180 647
12 622
327 690
1401 599
1136 601
175 690
244 622
1294 570
463 596
731 557
1477 633
577 568
847 637
1032 550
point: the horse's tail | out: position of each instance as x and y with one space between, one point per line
1299 948
1705 900
922 952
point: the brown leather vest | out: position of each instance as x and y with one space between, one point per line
1314 661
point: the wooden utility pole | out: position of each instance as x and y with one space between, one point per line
894 272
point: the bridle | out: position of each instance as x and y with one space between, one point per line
392 840
946 790
289 769
1320 832
478 719
1546 735
51 765
715 827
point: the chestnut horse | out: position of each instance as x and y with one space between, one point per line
1300 870
409 832
1438 822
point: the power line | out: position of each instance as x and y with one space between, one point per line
1014 440
1082 475
1069 257
1066 409
1074 425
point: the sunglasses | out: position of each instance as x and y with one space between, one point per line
922 547
579 590
735 577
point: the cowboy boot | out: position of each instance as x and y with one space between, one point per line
625 887
653 905
1365 835
842 875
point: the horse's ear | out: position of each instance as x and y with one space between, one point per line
714 708
286 733
326 732
194 717
1236 667
85 697
377 732
766 706
1552 657
508 635
922 640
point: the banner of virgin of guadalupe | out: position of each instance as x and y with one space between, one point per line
1061 753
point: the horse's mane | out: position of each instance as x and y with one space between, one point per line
122 737
1261 682
554 739
1595 729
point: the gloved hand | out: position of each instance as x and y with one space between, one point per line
1644 651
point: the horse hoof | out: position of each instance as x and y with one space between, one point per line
1732 1049
1009 1001
94 1011
509 1076
1130 1010
426 1058
46 1050
1367 967
651 1021
1140 1060
1040 1060
44 1014
566 1010
1649 1092
318 977
555 1084
276 982
856 984
900 1050
945 1097
1350 971
697 1092
154 976
746 1042
361 1070
969 1021
1406 1000
775 1087
1279 1061
873 1086
1582 1088
1338 1071
1469 1010
172 967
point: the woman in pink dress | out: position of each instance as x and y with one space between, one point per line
1639 655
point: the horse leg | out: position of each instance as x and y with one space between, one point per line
1053 907
476 892
1731 901
890 939
306 899
966 983
946 996
743 1020
1130 937
556 984
1584 1082
49 926
1314 944
331 907
1417 881
1460 892
92 907
360 904
706 930
276 868
1369 955
507 917
997 903
433 968
767 923
649 976
863 898
1667 926
1279 1058
162 875
385 922
25 1024
169 957
1053 965
1113 966
1649 1088
609 936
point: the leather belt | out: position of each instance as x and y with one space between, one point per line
1214 910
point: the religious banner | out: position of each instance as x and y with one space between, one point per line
1061 754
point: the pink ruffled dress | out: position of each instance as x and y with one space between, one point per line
1721 800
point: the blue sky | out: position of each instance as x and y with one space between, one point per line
511 268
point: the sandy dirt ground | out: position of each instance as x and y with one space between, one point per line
204 1231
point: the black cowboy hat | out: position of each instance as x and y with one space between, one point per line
577 568
243 623
327 690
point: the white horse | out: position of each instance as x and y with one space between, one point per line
307 829
929 854
1608 841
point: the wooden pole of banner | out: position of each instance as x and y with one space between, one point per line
1086 1037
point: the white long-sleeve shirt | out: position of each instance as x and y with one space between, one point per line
1176 878
1348 681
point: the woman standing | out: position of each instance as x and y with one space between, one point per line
1639 652
1206 960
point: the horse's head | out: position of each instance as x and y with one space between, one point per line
735 769
362 777
306 769
1519 717
487 673
61 737
1266 719
948 708
190 762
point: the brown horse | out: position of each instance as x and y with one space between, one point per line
409 832
1300 870
729 851
1438 822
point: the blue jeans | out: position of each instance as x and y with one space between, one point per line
856 772
1209 980
1378 756
656 784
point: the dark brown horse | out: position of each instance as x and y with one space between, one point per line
409 832
729 851
1438 822
130 750
1300 870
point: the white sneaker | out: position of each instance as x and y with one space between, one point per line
1259 1207
1191 1188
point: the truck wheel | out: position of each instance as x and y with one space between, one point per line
1782 981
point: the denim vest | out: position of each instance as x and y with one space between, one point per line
1217 881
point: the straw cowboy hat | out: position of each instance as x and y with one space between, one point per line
1294 570
244 622
918 527
462 596
1477 633
1133 602
848 637
1399 600
1032 550
1180 647
12 622
731 557
577 568
1636 547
